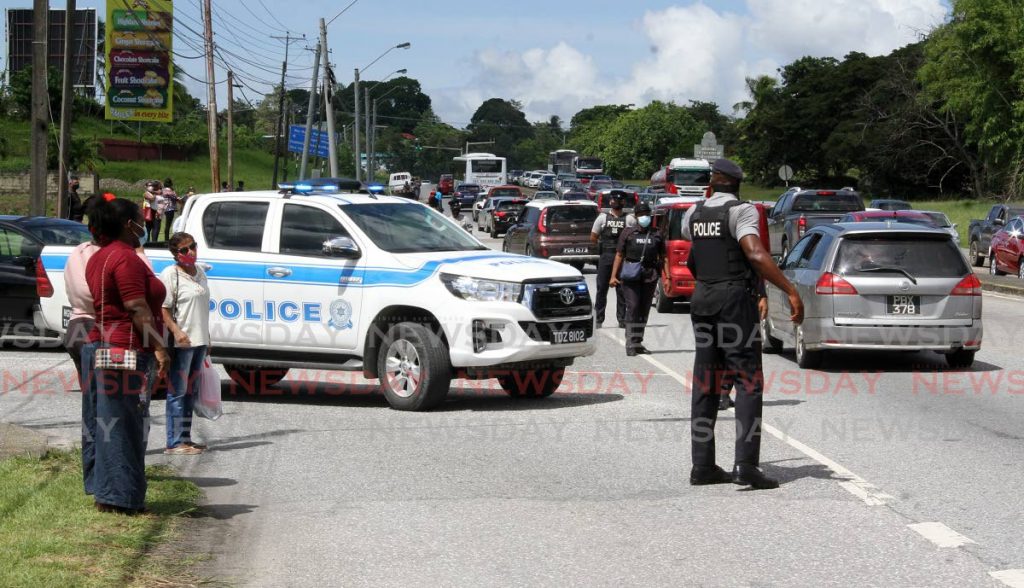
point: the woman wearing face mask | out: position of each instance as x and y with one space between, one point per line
186 312
115 405
637 268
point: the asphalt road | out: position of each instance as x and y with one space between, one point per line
896 472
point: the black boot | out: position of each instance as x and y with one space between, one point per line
748 475
707 475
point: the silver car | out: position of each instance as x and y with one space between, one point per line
942 221
877 286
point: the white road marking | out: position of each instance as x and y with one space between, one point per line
851 482
940 534
1012 578
1003 296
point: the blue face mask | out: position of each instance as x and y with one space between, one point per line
644 221
144 237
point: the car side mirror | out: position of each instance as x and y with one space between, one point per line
343 247
25 261
999 222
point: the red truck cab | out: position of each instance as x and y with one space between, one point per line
446 185
668 219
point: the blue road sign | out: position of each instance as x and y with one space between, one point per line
317 143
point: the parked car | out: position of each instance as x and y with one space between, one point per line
890 204
1007 251
22 279
877 286
503 215
481 199
555 229
544 195
892 216
467 194
446 184
980 231
942 221
799 210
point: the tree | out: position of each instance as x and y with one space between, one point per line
501 121
642 140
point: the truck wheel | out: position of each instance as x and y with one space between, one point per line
254 379
977 260
532 383
414 367
807 360
769 343
960 359
992 267
663 304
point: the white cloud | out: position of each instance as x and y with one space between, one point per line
699 54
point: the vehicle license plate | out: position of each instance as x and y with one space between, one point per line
902 304
559 337
65 316
576 250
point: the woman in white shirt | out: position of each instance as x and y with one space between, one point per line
186 313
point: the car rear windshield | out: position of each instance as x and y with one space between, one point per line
831 202
922 256
690 178
572 214
511 204
409 228
939 218
505 192
469 188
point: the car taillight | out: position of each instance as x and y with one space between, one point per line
500 214
44 289
542 221
826 193
830 283
801 226
969 286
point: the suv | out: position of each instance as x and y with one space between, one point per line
798 211
555 229
879 287
331 279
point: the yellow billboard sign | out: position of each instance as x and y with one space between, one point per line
140 71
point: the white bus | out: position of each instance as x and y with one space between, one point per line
562 161
486 169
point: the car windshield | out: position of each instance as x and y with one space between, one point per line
572 214
505 192
691 177
831 202
922 256
469 188
62 234
409 228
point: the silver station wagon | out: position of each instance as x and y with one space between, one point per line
877 286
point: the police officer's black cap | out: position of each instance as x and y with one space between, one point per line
727 168
642 209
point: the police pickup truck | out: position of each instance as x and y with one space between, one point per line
321 276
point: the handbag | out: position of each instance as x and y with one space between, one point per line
114 358
208 405
147 214
633 271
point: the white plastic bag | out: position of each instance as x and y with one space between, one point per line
208 405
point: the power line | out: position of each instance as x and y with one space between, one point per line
272 15
343 11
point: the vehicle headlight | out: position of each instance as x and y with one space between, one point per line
480 290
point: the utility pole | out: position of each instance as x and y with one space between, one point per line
40 120
280 106
332 140
373 137
231 128
369 132
211 98
313 107
355 128
66 101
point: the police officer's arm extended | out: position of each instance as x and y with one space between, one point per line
762 262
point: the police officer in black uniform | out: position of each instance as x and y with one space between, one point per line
605 234
726 258
643 245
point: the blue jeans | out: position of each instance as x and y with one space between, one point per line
181 395
115 415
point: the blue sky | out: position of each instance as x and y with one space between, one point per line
555 57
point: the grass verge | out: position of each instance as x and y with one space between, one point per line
51 535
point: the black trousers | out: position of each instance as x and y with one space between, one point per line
604 276
168 220
728 350
639 296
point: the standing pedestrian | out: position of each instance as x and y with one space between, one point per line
75 210
152 204
186 312
224 187
241 186
171 202
726 258
639 258
605 234
125 340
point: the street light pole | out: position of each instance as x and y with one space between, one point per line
67 99
313 94
355 95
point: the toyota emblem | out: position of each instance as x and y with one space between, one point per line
567 296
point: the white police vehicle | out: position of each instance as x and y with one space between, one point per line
320 276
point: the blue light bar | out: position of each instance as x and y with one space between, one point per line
375 188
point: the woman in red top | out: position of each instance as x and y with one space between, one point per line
127 299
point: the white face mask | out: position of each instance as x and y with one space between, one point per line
644 221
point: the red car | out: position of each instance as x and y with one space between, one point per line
668 218
880 216
446 184
1007 253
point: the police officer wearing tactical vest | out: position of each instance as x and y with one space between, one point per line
605 233
638 266
726 259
